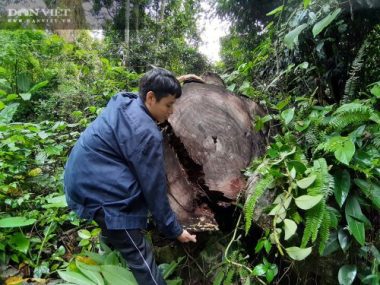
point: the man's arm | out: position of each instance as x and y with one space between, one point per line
148 165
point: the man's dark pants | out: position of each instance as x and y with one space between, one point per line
136 251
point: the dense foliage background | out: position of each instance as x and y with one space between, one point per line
313 65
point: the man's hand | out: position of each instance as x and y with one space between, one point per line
186 237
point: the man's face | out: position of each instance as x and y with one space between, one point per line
162 109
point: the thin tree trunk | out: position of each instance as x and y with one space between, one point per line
126 31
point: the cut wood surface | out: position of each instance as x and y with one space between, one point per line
210 140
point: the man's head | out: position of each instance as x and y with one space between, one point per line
159 89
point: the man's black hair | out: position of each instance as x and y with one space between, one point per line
162 82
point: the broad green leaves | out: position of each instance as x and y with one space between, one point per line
306 182
354 217
75 278
342 186
19 242
26 96
7 113
117 275
290 228
14 222
325 22
266 269
287 115
375 90
345 151
306 202
371 191
89 272
342 147
291 38
298 253
347 274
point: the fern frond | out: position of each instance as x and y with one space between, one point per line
314 218
229 276
334 217
357 64
250 203
375 131
351 113
324 232
324 183
354 107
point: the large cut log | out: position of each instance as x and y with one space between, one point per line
209 141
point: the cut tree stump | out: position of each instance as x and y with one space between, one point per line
209 140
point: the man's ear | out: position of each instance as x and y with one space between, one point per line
150 98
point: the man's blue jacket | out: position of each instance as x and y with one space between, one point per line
117 165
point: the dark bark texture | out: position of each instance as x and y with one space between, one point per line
209 141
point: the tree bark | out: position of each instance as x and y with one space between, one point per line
209 141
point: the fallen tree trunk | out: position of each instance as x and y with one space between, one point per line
209 141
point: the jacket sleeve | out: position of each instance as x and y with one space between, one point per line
148 165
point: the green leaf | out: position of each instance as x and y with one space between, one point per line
275 11
290 228
218 278
347 274
25 96
376 90
2 105
325 22
98 258
342 186
259 270
306 182
271 273
56 202
332 245
84 234
168 269
177 281
7 113
291 38
84 242
260 121
306 3
38 86
19 242
344 240
267 246
75 278
90 271
352 210
112 259
23 82
345 151
297 165
14 222
371 190
117 275
41 269
287 115
282 104
298 253
306 202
